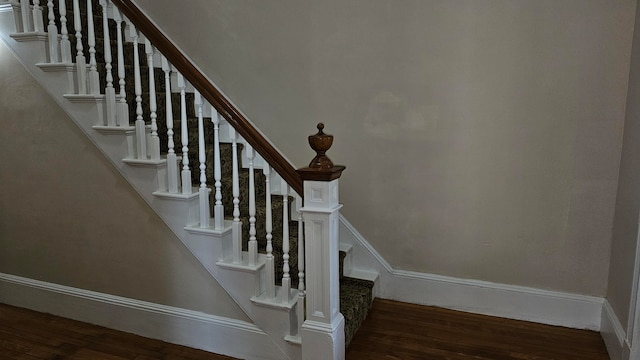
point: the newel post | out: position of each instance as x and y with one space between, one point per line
323 329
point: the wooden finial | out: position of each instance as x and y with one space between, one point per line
321 167
320 143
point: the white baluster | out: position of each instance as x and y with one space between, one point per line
186 173
81 63
141 131
218 208
109 91
237 225
65 44
253 243
122 109
270 263
38 25
286 278
203 191
27 18
17 16
154 151
300 247
52 31
94 79
172 159
301 287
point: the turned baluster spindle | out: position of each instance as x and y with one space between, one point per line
172 158
94 78
186 173
27 17
253 243
202 157
154 150
122 109
109 91
270 262
300 247
301 287
81 63
286 277
38 24
65 44
141 129
52 32
17 16
218 208
237 225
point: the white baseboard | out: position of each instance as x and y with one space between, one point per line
613 334
481 297
508 301
175 325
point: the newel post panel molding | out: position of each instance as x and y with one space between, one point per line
323 329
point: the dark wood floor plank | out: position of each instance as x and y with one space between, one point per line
396 330
392 331
30 335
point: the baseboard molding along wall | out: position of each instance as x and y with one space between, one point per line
481 297
613 334
175 325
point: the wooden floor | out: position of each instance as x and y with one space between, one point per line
396 330
30 335
391 331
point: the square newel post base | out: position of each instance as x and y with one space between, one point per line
323 341
323 329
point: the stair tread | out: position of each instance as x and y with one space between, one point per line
355 302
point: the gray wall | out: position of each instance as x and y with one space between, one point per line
482 138
68 217
625 230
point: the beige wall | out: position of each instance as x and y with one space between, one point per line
625 230
482 138
68 217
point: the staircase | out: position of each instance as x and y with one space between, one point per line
224 190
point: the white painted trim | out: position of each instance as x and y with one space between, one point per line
360 240
30 36
84 98
613 334
114 130
176 325
5 7
633 320
150 163
481 297
55 67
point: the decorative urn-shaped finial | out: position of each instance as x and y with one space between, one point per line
320 143
321 168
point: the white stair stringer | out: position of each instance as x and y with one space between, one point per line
176 211
242 282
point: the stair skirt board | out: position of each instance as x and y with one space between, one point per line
175 325
475 296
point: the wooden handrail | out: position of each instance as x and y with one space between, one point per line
213 95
